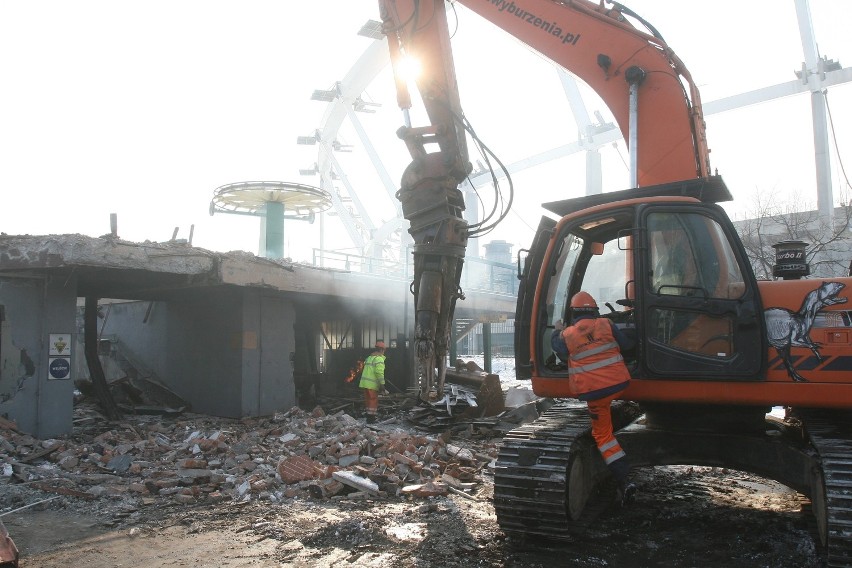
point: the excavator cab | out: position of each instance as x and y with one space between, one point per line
667 269
665 264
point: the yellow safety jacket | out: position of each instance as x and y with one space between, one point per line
373 375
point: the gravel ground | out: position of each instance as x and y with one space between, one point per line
682 517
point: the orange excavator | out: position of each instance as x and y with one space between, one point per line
715 349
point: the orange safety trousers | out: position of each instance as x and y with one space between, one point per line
608 446
371 401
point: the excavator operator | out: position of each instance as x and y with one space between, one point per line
596 374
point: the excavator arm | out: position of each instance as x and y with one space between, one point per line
645 85
431 201
599 44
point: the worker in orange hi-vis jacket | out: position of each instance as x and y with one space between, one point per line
373 380
596 374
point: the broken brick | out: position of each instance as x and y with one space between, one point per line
297 468
430 489
399 458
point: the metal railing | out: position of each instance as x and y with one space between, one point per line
479 274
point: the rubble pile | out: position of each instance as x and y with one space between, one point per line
193 458
458 402
469 393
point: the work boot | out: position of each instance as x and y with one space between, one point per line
371 419
627 492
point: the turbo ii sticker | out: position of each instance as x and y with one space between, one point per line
786 329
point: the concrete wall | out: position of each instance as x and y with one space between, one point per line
33 309
226 351
203 360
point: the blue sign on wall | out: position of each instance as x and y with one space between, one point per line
59 368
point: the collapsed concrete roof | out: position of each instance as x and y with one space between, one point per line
108 267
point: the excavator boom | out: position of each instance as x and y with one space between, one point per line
599 45
431 201
644 83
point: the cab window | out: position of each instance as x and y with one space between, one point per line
690 256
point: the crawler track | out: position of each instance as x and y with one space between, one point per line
831 435
535 468
550 482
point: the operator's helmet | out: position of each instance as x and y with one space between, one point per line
583 302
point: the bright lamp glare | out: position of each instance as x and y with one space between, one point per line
409 68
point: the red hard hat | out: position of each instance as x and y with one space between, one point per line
583 301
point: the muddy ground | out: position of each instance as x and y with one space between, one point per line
682 517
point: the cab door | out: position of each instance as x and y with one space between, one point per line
700 309
526 295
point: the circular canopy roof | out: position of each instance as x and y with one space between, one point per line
250 197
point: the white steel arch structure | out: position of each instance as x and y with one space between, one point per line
345 100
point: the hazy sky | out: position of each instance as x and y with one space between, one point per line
144 108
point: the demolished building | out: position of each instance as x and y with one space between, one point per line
231 334
219 329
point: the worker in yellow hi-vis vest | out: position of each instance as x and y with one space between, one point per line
373 380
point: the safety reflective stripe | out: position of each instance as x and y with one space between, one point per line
595 350
608 446
370 383
616 456
594 366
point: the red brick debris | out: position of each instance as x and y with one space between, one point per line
195 458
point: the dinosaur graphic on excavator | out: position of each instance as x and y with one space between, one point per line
786 329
